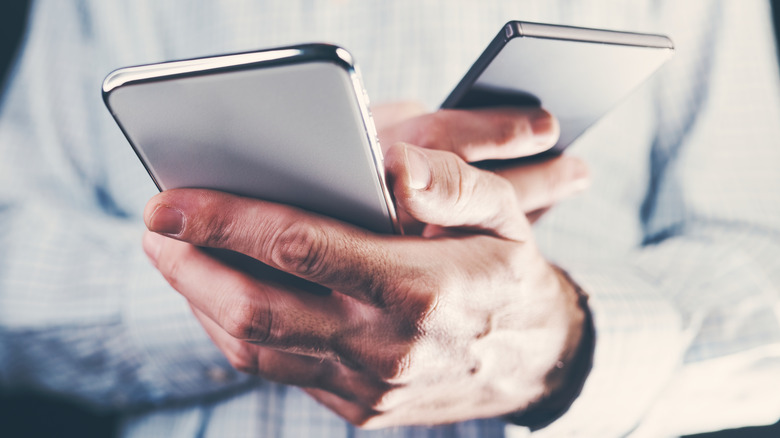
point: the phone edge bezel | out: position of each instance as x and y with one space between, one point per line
313 52
519 29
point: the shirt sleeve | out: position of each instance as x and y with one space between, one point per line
82 312
688 324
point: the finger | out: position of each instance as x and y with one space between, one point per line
392 113
279 366
482 134
313 247
354 413
246 308
538 187
536 215
439 188
295 369
369 417
541 185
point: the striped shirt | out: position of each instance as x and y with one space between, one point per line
677 241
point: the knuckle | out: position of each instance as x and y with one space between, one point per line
301 248
218 230
385 401
464 183
249 321
416 298
213 224
396 369
245 363
170 267
429 309
239 327
421 310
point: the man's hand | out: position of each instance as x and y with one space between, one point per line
491 134
467 320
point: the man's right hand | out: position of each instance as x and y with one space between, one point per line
415 330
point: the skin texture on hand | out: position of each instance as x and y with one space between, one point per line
492 134
463 320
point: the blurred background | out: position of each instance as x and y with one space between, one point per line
37 415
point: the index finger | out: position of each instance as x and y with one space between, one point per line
480 134
310 246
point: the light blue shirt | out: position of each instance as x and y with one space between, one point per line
677 241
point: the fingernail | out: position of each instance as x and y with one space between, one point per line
152 244
419 168
542 125
166 220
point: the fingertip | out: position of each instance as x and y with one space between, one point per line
418 168
170 211
164 198
579 174
166 219
409 175
545 128
408 169
394 157
394 167
151 205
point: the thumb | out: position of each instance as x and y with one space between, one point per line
439 188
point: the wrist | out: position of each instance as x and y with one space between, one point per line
565 379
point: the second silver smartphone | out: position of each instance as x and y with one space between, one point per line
577 74
290 125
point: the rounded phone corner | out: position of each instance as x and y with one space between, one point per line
329 52
111 82
344 55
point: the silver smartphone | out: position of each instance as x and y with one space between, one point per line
290 125
577 74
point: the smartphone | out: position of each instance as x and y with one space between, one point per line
577 74
289 125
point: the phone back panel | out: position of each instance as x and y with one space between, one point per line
294 134
576 74
576 81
